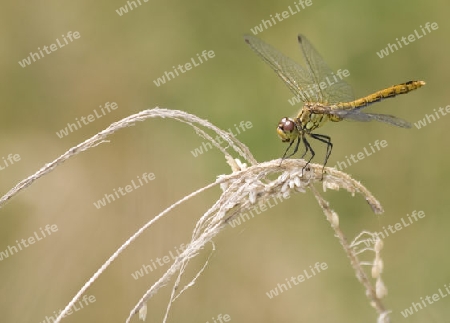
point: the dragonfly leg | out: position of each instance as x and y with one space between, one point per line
295 150
308 147
296 147
306 150
326 140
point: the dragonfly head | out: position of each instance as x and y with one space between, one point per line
287 130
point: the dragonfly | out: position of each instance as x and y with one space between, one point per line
322 101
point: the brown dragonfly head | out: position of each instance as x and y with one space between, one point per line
287 130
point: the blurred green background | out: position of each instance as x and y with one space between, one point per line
116 59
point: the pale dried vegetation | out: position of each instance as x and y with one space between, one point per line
248 184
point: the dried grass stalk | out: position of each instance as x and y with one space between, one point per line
243 188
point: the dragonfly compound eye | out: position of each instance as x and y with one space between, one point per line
286 130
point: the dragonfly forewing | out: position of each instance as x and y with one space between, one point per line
336 89
310 83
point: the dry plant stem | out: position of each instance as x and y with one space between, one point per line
356 264
173 297
236 198
99 138
199 239
124 246
241 190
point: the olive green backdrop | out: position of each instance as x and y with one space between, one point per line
116 59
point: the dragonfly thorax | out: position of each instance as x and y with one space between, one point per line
312 117
287 130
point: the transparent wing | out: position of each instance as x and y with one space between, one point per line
305 83
296 77
361 116
336 90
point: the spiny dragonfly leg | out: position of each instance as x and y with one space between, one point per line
326 140
290 145
308 147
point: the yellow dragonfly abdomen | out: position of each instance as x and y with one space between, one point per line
380 95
